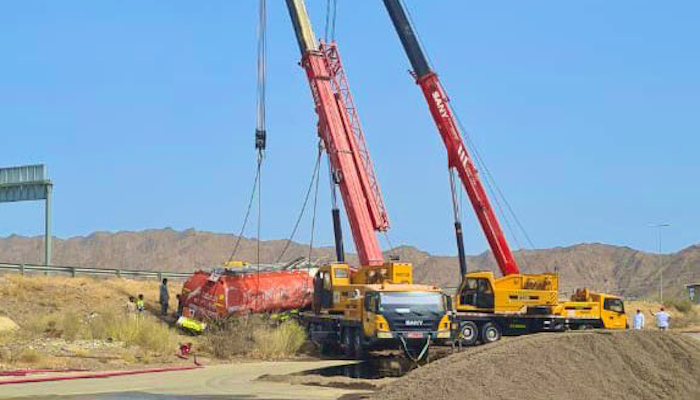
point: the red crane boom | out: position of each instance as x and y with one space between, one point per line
340 130
457 155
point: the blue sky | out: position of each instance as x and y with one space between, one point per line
587 113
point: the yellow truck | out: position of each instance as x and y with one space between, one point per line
588 310
375 308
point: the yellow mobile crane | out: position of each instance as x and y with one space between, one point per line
375 305
517 303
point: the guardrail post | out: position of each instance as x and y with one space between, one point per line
119 273
21 269
72 271
160 276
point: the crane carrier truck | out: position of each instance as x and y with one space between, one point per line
375 305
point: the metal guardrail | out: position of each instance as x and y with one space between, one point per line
74 271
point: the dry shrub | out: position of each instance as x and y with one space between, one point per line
230 337
29 356
66 324
253 336
142 330
683 306
283 341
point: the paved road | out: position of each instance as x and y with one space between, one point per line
231 382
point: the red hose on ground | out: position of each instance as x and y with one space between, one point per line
95 375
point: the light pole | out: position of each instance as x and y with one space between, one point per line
661 261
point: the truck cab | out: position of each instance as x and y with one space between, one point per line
587 309
375 308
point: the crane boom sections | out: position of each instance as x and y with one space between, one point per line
457 155
339 128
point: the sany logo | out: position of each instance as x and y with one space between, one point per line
414 322
440 103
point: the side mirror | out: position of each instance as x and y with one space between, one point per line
448 303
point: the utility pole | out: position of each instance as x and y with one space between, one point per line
661 260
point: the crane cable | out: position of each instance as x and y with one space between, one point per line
260 124
260 133
314 178
331 13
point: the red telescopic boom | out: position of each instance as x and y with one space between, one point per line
457 154
339 128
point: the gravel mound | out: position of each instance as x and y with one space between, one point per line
569 366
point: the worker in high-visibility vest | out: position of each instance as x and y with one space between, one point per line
140 304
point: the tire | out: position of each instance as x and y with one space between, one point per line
490 333
468 333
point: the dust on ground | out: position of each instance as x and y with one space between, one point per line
578 365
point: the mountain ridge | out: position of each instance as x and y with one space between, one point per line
603 267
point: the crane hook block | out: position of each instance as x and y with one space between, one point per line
260 139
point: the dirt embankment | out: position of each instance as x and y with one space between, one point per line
587 365
59 322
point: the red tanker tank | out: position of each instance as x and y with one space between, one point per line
246 290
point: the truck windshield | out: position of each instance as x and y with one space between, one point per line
418 303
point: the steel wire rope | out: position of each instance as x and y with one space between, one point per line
313 216
247 214
304 205
331 14
260 131
497 194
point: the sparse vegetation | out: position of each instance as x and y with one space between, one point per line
29 356
87 316
253 336
279 342
144 331
683 306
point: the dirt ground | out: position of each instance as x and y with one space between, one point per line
571 366
219 382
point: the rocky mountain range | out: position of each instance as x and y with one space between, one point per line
614 269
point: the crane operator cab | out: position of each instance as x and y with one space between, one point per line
478 293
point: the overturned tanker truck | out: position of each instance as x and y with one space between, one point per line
238 289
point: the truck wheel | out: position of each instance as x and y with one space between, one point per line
468 333
490 333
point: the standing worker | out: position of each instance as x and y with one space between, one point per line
639 320
164 297
662 319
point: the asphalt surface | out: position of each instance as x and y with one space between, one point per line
231 382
